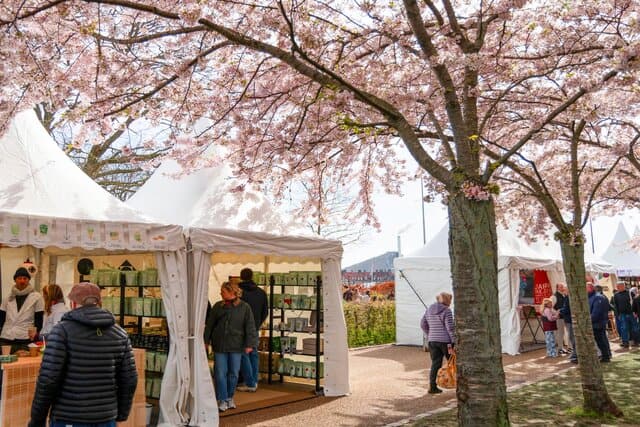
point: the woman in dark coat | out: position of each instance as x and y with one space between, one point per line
231 331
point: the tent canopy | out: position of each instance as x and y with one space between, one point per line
620 253
46 200
427 272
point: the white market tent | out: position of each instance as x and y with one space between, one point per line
622 255
428 271
227 235
50 207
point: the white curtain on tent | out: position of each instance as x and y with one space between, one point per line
508 292
204 411
175 382
336 371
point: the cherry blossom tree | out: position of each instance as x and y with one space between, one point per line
588 173
293 87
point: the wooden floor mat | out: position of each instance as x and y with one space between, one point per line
268 396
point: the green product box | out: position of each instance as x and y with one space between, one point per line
277 300
148 386
302 278
155 391
299 365
313 277
130 278
259 278
149 277
138 306
313 370
160 362
150 361
115 304
278 278
161 311
148 306
308 368
289 344
106 304
291 278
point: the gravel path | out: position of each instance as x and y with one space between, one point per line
388 384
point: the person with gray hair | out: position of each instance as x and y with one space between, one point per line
88 374
437 324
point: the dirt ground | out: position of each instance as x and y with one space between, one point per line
389 384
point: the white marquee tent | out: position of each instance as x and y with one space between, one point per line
49 207
226 235
428 271
621 255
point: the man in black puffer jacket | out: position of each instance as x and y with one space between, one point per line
88 373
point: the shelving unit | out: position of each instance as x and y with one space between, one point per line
154 344
316 332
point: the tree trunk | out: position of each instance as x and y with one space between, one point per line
481 391
594 391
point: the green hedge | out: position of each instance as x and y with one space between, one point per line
371 323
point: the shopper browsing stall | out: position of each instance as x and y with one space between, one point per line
21 314
549 326
54 307
257 300
231 332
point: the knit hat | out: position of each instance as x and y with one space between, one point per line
21 272
85 294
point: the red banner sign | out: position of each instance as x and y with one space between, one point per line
541 286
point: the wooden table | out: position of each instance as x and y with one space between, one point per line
19 385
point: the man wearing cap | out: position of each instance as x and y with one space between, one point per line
20 312
88 375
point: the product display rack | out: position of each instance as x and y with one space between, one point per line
148 342
317 332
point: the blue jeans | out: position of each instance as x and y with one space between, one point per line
225 374
625 326
69 423
249 367
550 342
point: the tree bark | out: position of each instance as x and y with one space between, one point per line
594 391
481 391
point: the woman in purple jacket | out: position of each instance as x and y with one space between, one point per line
437 324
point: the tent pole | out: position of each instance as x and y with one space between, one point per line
412 288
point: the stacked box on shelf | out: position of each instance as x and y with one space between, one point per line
309 346
130 278
291 278
148 277
263 361
259 278
288 344
302 277
278 278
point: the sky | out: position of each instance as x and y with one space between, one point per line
402 216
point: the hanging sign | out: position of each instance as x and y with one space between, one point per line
90 235
41 231
16 231
541 286
158 240
137 237
66 233
115 236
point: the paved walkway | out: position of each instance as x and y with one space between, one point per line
389 385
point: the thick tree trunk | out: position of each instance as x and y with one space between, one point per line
594 391
482 395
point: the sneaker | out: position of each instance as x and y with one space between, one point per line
223 405
231 404
562 352
573 361
625 345
247 388
434 390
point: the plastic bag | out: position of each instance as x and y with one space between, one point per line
447 374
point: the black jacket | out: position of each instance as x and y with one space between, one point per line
88 373
622 302
257 300
230 328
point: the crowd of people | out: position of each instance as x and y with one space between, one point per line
557 324
88 357
358 293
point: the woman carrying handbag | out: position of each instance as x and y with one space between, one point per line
437 324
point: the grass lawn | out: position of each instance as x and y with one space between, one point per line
558 400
